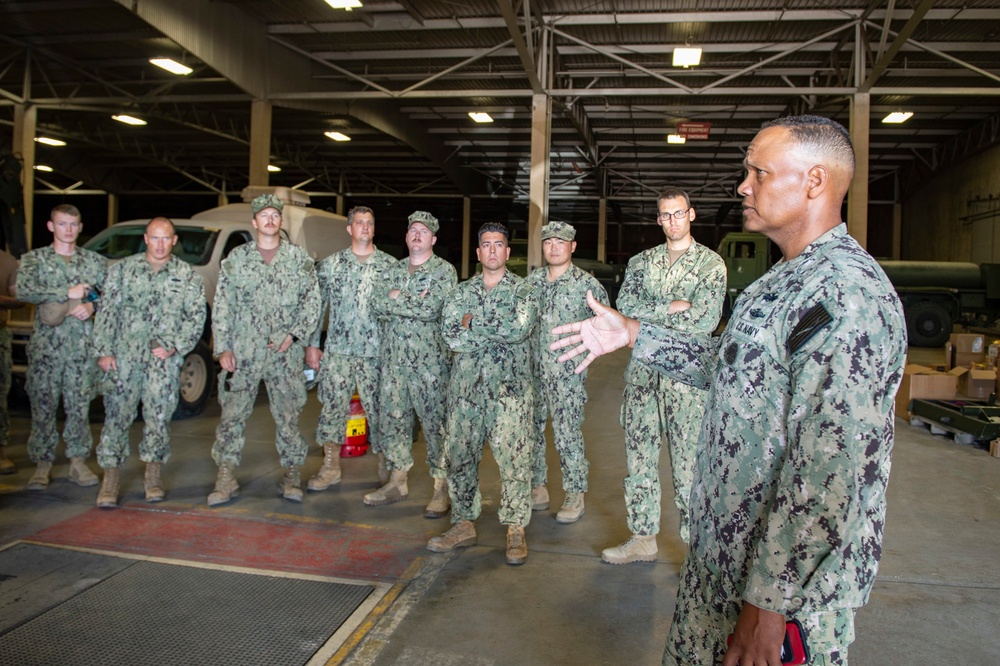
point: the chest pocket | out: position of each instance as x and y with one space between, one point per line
753 377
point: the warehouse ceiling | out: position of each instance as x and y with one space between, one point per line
400 78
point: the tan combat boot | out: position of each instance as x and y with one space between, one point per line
461 534
640 548
108 496
226 487
7 465
394 491
291 485
572 508
154 487
440 501
40 479
383 470
329 474
539 498
517 546
80 474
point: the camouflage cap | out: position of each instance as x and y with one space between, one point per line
424 218
560 230
266 201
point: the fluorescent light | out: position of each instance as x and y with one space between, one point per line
337 136
897 117
480 117
676 138
171 66
49 142
43 167
344 4
272 168
686 56
129 120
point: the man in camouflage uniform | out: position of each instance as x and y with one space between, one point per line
266 306
415 363
62 280
152 315
8 274
487 321
680 284
561 293
788 503
348 283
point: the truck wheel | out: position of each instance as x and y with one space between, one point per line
928 324
197 381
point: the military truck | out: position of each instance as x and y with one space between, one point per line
204 241
935 294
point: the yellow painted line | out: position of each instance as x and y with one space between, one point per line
376 614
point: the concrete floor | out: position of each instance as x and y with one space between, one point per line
937 598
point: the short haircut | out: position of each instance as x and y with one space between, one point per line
493 228
359 209
828 137
161 218
65 209
673 193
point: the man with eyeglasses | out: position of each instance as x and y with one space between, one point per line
680 284
63 281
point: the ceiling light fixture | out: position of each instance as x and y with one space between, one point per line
687 56
480 117
897 117
171 66
337 136
346 5
272 168
49 142
128 120
43 167
676 138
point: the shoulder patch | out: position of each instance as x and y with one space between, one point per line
812 321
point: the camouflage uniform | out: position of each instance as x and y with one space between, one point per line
353 342
59 360
8 270
558 391
143 308
257 304
490 394
654 405
788 502
415 360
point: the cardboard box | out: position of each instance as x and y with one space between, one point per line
968 343
919 381
966 359
976 383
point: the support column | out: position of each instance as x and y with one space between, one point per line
112 209
260 142
25 124
602 229
897 231
538 194
857 196
340 194
466 235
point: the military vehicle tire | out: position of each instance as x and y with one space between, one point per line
928 324
197 382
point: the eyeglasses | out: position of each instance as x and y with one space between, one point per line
677 215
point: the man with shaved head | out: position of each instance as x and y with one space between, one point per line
153 314
788 502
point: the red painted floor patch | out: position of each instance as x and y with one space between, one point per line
325 549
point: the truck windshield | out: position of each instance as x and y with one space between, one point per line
194 244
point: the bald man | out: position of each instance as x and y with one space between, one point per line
153 314
788 502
